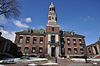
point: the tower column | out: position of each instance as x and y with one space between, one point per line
52 31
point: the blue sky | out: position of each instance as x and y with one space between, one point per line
81 16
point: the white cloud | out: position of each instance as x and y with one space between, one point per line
29 19
3 20
88 18
8 35
19 24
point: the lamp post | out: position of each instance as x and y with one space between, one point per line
26 54
85 53
85 57
62 42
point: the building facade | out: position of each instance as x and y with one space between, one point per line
47 42
93 50
8 49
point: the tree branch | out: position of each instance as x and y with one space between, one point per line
9 8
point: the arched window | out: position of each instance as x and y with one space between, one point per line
49 18
50 9
53 18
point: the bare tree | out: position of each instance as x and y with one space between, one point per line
9 8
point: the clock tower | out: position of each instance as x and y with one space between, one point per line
52 32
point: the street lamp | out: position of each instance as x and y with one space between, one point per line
26 54
62 42
85 53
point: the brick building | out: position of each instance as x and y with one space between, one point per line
43 42
93 50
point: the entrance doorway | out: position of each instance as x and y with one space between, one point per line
53 53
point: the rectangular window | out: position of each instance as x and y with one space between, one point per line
74 40
80 41
33 50
41 40
69 50
81 50
74 44
68 41
34 40
53 29
75 50
27 40
81 44
20 39
26 50
40 49
52 39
